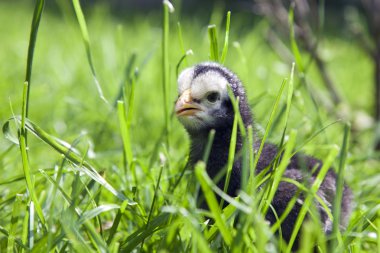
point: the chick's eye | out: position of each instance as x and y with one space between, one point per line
212 97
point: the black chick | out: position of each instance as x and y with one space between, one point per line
204 104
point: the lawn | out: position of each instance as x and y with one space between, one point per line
107 174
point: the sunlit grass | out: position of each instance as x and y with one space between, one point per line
104 175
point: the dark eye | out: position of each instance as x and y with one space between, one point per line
212 97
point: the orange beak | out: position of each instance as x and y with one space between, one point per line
185 105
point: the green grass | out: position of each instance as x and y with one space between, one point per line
81 174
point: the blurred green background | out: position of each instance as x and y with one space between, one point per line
339 46
64 97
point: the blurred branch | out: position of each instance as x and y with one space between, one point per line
370 43
278 46
372 10
306 17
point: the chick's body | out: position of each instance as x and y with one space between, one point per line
204 104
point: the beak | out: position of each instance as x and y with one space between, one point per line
185 105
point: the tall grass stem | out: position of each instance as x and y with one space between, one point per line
205 183
167 8
213 39
226 38
37 14
86 40
337 205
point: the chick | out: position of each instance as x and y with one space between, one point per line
204 104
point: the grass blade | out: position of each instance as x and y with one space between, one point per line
58 188
279 171
288 103
73 156
199 239
251 159
137 237
293 42
25 225
231 153
128 73
214 50
76 239
17 241
95 238
205 183
125 134
309 199
153 201
184 57
293 201
307 240
25 159
267 129
378 230
31 225
228 211
210 140
37 14
17 207
167 8
116 222
339 190
86 40
182 45
88 215
226 38
299 148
